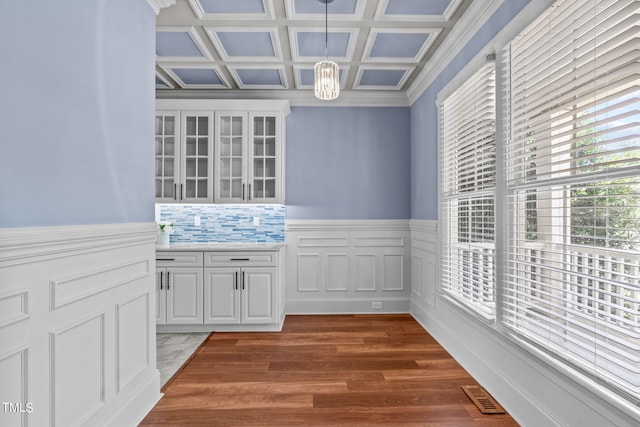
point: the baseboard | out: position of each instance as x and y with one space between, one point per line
137 404
351 306
533 391
267 327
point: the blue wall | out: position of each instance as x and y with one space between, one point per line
76 112
424 115
348 163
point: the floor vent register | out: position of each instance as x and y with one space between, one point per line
485 403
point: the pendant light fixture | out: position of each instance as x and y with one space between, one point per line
326 73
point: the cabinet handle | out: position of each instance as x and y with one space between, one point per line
239 259
175 191
181 192
243 280
168 281
236 280
249 191
161 276
243 191
165 259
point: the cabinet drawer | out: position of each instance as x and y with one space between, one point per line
178 259
240 259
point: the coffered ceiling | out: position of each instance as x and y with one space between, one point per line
222 48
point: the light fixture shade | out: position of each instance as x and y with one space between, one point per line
326 80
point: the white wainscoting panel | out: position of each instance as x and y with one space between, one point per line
424 258
13 385
337 272
132 355
77 337
77 371
343 266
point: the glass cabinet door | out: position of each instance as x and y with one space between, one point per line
197 177
264 159
230 172
167 154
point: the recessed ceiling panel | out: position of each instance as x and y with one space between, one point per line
417 7
246 44
232 9
196 76
311 44
397 45
173 44
232 6
380 77
403 10
315 9
259 77
316 6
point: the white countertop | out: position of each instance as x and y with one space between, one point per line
220 246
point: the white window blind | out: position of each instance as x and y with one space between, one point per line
468 179
572 187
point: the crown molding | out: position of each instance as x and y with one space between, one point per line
296 98
156 5
473 19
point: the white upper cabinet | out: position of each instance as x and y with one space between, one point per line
167 156
215 151
265 178
184 157
231 150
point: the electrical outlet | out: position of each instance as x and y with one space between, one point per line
256 221
196 221
376 305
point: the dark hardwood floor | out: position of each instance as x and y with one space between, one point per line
335 370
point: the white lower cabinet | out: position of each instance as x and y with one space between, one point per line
240 295
217 288
179 296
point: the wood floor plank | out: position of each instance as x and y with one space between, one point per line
333 370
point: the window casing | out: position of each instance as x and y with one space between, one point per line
569 183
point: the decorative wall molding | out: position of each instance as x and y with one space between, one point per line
345 266
347 225
91 360
297 98
14 307
23 245
88 283
156 5
473 19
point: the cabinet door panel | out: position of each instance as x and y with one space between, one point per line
197 160
167 156
221 296
258 296
264 158
161 297
184 295
231 135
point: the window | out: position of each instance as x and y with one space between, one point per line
571 165
468 177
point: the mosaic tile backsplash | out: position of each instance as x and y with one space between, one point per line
224 223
